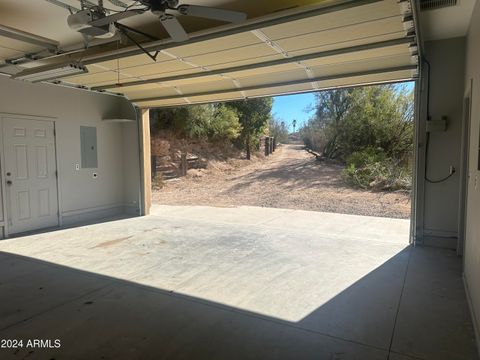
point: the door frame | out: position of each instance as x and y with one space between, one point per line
464 168
5 197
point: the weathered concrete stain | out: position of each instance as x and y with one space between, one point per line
111 242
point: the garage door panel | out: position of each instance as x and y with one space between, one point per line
397 51
237 41
151 91
230 55
218 85
263 71
335 36
354 41
159 69
197 81
287 89
366 13
367 65
313 35
254 59
137 60
272 78
367 79
233 95
278 90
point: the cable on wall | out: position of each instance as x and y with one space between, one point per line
427 142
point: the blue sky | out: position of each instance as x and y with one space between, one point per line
291 107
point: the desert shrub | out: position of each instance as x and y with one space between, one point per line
313 137
372 169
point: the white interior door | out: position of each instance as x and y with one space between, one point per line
30 174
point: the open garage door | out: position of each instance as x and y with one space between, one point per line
325 45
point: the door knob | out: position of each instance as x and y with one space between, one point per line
9 182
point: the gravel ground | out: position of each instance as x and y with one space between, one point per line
291 179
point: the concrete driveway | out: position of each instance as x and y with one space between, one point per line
236 283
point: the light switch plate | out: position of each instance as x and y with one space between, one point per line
77 167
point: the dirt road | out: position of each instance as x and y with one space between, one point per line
291 179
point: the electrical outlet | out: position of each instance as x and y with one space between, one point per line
452 169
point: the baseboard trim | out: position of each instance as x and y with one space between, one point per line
86 215
90 210
439 241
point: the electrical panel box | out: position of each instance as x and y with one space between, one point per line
437 125
88 141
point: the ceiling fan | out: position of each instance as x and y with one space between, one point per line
96 20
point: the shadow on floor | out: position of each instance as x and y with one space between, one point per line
99 317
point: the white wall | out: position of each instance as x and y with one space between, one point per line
440 215
81 196
472 243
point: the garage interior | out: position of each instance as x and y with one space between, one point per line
230 283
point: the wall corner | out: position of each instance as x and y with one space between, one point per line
145 162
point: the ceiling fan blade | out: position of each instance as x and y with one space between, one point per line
235 17
174 28
72 9
115 17
118 3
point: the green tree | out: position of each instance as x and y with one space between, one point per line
349 120
368 128
193 121
214 122
253 115
225 124
331 109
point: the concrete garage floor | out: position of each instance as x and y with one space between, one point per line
234 283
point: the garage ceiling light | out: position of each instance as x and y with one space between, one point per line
51 73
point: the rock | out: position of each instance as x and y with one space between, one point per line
196 173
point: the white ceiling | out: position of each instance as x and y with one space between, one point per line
447 22
48 20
